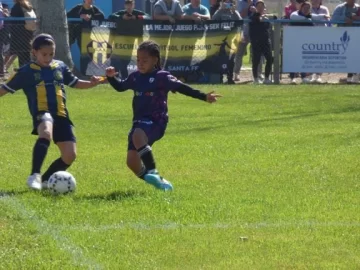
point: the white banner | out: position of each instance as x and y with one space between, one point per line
316 49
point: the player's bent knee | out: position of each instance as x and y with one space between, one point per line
45 134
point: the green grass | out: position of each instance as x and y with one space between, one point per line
278 165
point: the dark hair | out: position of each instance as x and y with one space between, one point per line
42 40
25 4
305 3
260 2
153 49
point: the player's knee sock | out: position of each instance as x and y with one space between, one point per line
57 165
39 153
142 173
147 157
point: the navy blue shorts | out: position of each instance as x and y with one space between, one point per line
62 127
153 131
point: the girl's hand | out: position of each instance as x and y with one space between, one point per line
253 9
212 97
95 80
110 72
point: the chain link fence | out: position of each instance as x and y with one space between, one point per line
251 58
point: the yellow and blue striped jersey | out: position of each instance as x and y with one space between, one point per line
43 87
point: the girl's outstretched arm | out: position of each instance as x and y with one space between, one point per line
185 89
117 84
88 84
71 80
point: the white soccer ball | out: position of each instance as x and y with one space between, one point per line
61 183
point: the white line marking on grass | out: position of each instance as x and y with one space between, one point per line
174 226
45 228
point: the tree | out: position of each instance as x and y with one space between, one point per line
52 20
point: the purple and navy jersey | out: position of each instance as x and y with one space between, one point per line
151 93
43 87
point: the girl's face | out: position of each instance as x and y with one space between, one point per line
260 7
145 62
305 9
44 55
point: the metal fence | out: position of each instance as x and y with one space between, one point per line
14 33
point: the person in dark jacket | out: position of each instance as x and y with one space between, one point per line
2 39
129 13
260 38
227 12
214 6
87 12
20 36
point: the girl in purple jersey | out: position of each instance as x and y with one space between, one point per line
151 86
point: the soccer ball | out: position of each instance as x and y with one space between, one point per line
61 182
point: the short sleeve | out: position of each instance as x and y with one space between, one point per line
205 11
17 81
186 10
69 78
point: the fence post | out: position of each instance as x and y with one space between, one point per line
277 41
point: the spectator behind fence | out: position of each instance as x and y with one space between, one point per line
245 8
129 13
87 12
22 31
346 12
290 8
168 10
214 6
319 9
260 38
2 38
228 12
195 11
305 16
5 38
293 6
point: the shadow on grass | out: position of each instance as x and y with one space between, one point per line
113 196
8 193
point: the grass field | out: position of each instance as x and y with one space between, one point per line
267 178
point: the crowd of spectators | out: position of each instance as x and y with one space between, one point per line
15 36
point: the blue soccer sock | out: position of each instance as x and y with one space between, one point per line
57 165
39 153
